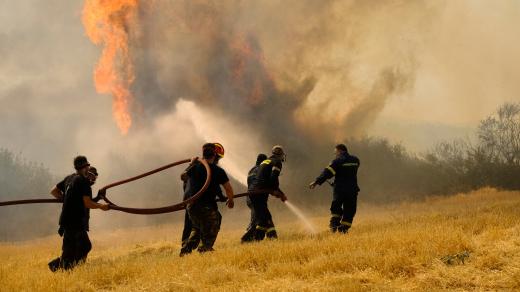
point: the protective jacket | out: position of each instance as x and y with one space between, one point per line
267 174
251 178
344 168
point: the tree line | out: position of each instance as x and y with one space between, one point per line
389 172
22 179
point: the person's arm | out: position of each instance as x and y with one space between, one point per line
57 193
93 205
327 173
221 197
275 173
229 193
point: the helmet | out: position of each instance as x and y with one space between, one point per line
219 150
278 151
80 162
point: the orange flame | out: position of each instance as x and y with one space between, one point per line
107 23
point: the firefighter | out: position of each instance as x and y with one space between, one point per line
76 192
203 213
251 178
186 245
346 189
267 179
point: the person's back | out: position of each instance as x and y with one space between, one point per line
197 177
346 167
203 213
266 180
267 174
250 200
251 178
344 197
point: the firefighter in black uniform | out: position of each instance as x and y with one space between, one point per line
344 198
76 192
267 179
251 179
203 213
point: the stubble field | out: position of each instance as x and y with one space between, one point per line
463 242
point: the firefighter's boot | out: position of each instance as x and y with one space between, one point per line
271 233
54 265
249 235
260 232
334 222
344 226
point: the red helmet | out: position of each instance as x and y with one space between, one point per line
219 150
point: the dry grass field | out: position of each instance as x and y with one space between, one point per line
464 242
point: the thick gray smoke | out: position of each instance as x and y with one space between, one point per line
250 74
289 69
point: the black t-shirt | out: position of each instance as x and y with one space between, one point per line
196 179
74 215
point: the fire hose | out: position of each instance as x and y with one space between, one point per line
143 211
149 211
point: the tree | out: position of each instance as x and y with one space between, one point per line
499 134
20 179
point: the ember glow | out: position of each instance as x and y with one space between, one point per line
107 24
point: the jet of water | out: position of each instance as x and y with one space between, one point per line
308 225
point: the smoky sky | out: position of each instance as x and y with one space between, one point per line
314 63
228 56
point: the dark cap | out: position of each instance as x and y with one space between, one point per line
342 147
261 157
208 150
80 162
93 170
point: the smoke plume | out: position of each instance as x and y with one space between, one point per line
289 76
249 74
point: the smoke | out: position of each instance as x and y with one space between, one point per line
249 74
295 70
252 75
316 72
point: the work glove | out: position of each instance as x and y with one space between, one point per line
280 195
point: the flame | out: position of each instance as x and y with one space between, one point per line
107 23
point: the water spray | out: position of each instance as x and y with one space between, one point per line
296 211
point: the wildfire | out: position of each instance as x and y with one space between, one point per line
107 23
249 73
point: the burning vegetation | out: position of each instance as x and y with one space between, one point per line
108 24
